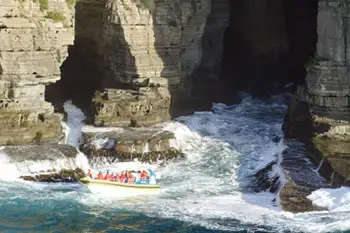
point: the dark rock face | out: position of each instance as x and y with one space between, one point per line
64 175
267 41
146 145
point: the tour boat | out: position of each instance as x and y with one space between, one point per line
120 189
125 186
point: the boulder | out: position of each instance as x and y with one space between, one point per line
144 144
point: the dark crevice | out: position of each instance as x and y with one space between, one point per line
269 42
81 74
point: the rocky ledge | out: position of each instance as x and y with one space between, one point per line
64 175
144 144
57 156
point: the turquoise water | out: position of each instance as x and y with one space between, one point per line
61 208
206 192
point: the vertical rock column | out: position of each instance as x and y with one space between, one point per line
327 82
34 37
150 50
206 78
320 112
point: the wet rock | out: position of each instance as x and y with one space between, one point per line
327 141
293 198
296 180
347 183
65 175
264 181
146 145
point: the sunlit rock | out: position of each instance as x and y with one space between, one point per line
34 38
145 145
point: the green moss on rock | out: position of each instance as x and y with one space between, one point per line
56 16
44 4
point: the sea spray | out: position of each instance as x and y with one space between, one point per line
74 124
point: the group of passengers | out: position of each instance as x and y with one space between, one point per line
124 177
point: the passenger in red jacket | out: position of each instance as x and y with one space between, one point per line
107 176
130 178
100 176
144 175
117 178
123 177
89 174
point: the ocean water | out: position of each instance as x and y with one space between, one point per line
205 192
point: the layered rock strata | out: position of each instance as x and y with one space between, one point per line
319 113
34 37
150 145
150 51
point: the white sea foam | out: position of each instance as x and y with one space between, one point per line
8 170
74 124
12 170
93 129
103 143
332 199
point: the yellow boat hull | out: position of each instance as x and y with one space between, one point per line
94 184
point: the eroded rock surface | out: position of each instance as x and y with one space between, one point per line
34 37
146 145
147 53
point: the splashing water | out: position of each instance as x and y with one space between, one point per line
74 124
205 192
